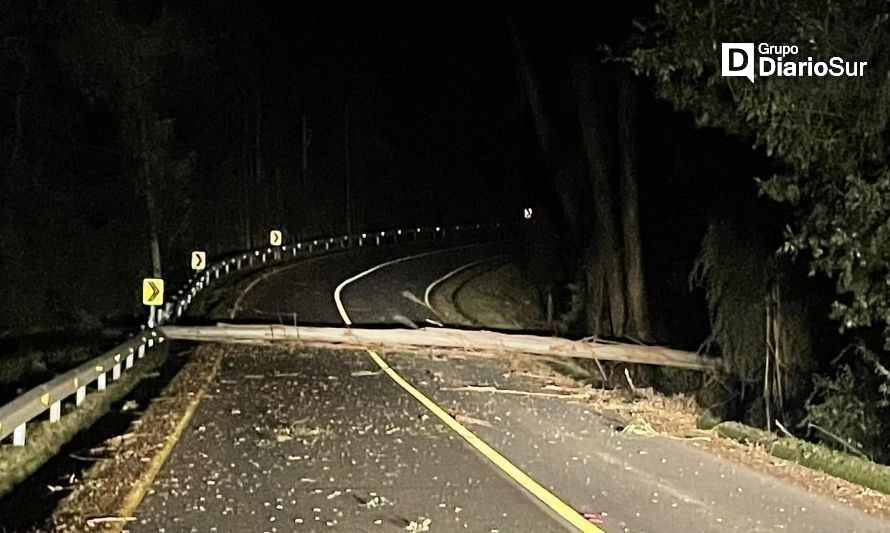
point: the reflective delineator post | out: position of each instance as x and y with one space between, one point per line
18 435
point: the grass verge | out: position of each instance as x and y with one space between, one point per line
832 462
45 439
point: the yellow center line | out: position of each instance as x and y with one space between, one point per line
549 499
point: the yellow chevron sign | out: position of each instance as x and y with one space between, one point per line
275 237
152 291
199 260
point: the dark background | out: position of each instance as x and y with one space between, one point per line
424 95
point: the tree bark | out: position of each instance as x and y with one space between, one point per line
608 253
637 309
468 342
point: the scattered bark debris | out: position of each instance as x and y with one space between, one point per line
112 481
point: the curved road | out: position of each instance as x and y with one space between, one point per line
314 440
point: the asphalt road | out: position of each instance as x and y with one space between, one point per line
312 440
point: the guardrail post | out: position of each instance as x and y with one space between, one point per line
18 435
129 361
116 372
55 411
81 395
102 382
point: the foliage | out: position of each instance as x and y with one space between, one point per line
844 407
732 268
828 136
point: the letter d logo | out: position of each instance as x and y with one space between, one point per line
737 59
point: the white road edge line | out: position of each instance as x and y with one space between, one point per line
429 289
338 291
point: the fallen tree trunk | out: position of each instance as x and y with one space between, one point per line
444 338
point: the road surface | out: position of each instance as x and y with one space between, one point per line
315 440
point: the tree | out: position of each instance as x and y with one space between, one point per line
827 136
122 62
595 181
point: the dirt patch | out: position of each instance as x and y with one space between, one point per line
490 295
500 298
111 490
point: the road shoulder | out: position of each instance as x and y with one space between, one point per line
111 489
570 433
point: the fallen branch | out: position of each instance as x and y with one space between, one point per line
495 390
444 338
109 519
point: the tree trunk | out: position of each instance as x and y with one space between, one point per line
564 170
348 174
245 190
608 252
151 205
637 310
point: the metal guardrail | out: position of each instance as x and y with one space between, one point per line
15 415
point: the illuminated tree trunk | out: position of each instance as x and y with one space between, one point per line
151 204
606 309
637 309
